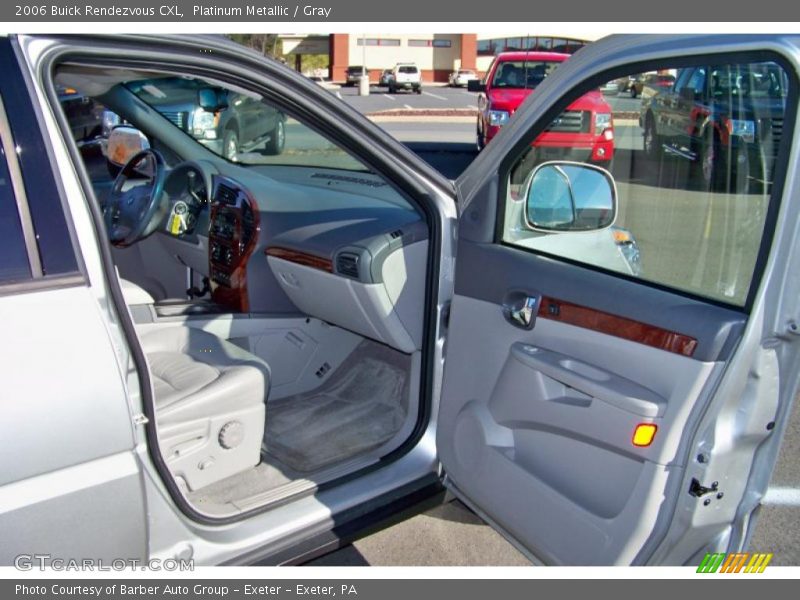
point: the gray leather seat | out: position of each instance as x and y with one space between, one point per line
134 294
210 403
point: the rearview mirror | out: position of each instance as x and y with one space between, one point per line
475 85
570 196
124 143
212 99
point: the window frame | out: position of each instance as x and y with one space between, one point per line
271 103
399 176
675 62
40 179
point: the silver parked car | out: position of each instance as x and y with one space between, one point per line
233 359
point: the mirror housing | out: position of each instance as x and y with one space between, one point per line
563 196
212 99
124 142
475 85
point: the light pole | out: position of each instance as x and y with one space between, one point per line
363 82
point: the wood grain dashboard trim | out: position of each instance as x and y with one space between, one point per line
301 258
233 294
621 327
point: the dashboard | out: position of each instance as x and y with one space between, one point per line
344 248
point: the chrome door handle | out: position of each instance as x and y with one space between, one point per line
520 309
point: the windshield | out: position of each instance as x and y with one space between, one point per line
407 69
522 74
239 126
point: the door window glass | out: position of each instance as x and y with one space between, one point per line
693 168
14 266
239 126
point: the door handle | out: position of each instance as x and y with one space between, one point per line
520 309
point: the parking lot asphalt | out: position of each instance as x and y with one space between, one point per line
440 97
449 535
379 99
778 526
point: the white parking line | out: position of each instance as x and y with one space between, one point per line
408 106
782 496
389 97
434 96
473 107
339 95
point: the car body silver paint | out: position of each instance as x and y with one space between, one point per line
169 531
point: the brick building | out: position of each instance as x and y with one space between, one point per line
437 55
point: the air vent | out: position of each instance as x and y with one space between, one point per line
398 233
347 264
226 195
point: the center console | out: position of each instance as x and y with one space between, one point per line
232 237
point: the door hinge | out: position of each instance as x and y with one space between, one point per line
697 489
140 419
445 316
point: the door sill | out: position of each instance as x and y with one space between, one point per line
382 512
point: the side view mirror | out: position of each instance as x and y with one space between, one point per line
124 142
212 99
475 85
569 196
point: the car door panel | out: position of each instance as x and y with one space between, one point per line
537 424
503 268
548 418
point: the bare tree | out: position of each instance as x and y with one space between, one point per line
267 44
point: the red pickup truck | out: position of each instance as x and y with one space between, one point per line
583 132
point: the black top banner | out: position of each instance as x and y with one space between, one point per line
408 11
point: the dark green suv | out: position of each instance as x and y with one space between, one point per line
227 122
727 120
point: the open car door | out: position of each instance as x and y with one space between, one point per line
622 351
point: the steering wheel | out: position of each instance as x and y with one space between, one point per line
134 213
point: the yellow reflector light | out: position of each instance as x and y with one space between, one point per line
621 236
643 434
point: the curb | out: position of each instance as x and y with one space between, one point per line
420 118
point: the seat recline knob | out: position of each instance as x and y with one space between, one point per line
231 435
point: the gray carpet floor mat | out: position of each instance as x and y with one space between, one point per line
361 407
219 497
